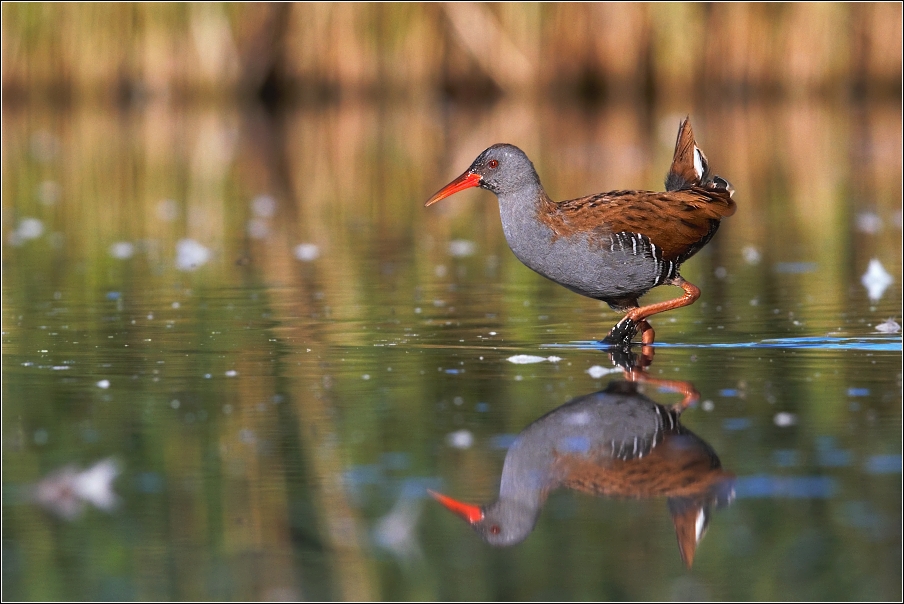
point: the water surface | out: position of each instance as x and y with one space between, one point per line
273 351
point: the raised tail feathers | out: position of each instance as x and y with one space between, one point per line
690 168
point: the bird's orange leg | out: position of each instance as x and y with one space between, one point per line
636 318
639 315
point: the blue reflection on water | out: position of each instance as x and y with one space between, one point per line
872 343
829 455
792 487
736 423
785 458
883 464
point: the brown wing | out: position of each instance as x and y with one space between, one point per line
687 469
677 222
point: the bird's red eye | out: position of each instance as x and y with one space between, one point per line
495 528
492 164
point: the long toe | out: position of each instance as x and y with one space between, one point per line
621 335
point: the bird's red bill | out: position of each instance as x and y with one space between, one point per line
465 181
471 513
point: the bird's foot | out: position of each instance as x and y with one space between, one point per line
621 335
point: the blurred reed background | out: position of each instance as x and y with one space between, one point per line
128 52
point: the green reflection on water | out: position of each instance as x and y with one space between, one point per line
267 412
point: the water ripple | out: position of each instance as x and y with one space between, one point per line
809 343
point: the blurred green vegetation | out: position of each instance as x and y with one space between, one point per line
313 51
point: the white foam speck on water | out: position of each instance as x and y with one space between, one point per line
876 279
191 255
526 359
869 222
122 250
751 255
232 373
461 248
890 326
307 252
784 419
104 384
67 491
460 439
597 371
27 229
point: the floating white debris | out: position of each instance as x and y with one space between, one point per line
890 326
461 248
190 255
232 373
307 252
784 419
27 229
869 222
122 250
66 491
876 280
751 255
597 371
460 439
263 206
104 384
525 359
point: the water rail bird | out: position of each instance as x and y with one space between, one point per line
613 246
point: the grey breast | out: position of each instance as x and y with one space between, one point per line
613 266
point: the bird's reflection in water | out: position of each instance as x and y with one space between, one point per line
613 443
